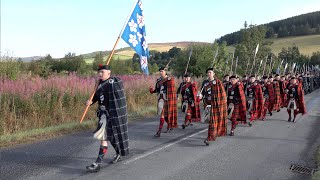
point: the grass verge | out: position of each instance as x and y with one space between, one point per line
63 129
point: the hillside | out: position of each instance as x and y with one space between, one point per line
301 25
306 44
127 53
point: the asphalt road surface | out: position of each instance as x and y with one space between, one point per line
264 151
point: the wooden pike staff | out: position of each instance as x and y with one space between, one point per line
254 58
270 66
264 67
225 69
231 72
215 56
190 53
235 69
247 66
259 68
285 67
108 61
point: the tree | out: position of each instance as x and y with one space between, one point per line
317 29
270 32
315 58
174 52
98 59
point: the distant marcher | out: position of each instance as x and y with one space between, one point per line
295 99
189 101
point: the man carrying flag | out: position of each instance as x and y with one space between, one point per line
112 114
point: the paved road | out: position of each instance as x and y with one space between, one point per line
264 151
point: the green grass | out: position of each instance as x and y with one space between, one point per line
307 44
66 128
115 56
44 133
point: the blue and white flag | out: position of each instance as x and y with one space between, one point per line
134 34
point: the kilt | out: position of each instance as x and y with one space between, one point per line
265 108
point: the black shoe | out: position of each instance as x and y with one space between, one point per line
270 113
278 110
116 158
250 124
168 130
183 126
94 167
289 120
158 134
231 133
206 142
294 119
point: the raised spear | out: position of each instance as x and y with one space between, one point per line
231 64
259 67
270 65
264 67
235 69
254 58
190 53
215 56
224 72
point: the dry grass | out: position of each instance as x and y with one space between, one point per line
307 44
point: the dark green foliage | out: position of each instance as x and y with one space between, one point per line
295 26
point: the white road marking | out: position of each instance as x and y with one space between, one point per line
164 147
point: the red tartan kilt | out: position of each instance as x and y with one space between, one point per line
266 103
284 102
236 112
165 109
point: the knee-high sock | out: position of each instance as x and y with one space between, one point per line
102 151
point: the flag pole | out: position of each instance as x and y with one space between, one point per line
108 61
124 25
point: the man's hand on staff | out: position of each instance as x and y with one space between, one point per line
88 103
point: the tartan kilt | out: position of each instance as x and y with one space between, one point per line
165 108
265 108
237 113
218 116
270 105
284 100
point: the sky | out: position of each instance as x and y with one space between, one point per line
56 27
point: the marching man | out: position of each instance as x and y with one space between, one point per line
254 99
215 103
189 101
236 103
167 101
295 100
112 113
268 97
